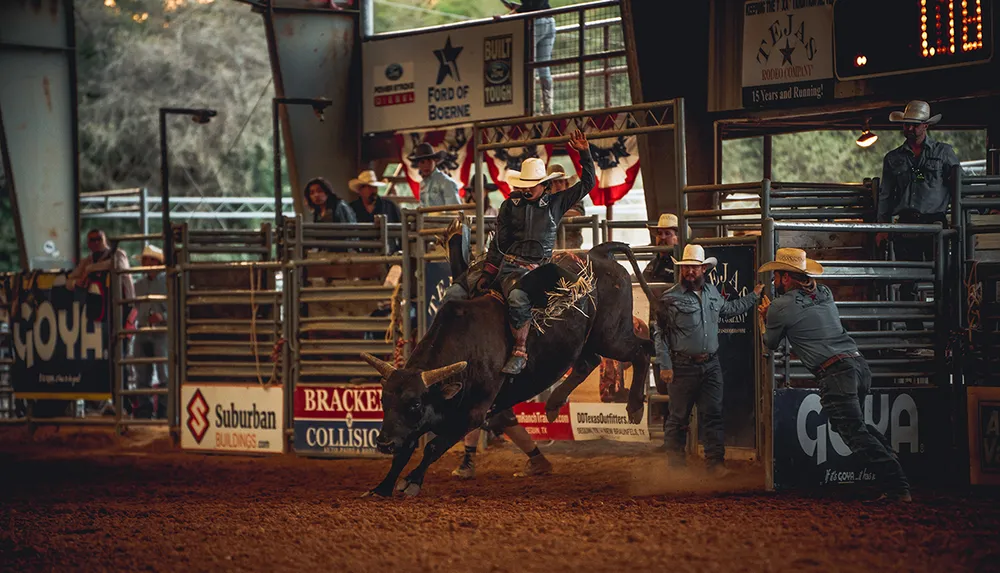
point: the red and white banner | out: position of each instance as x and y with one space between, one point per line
499 161
531 416
341 419
616 160
458 154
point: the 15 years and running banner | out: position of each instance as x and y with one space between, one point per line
60 337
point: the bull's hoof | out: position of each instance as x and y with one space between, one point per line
412 490
635 413
377 492
552 412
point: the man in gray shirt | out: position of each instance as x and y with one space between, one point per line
806 315
151 344
914 188
686 335
436 188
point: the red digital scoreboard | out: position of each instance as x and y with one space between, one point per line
885 37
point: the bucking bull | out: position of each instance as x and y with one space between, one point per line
452 381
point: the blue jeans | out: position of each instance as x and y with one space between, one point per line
695 384
545 39
843 389
518 302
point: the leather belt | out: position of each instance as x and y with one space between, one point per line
691 358
834 360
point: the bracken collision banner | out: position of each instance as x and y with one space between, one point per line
233 418
787 52
442 78
338 420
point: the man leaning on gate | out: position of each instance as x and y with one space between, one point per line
686 335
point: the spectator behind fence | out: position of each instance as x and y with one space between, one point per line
914 188
368 204
573 235
327 207
103 259
436 188
151 344
545 39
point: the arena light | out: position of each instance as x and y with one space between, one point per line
867 138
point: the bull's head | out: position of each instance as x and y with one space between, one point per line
411 399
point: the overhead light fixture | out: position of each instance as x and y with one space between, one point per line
867 138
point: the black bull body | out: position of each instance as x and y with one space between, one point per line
452 381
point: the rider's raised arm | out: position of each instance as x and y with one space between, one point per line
574 194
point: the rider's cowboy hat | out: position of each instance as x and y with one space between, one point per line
792 260
695 255
365 178
532 173
153 253
667 221
916 112
425 151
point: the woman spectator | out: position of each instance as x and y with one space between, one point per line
325 205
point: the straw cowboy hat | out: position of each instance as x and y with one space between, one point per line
695 255
667 221
916 112
792 260
424 151
556 169
365 178
152 252
532 173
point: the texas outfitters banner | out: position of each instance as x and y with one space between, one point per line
61 337
455 146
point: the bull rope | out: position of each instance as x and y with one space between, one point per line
565 296
765 303
974 297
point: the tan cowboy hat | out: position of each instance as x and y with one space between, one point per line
558 170
532 173
152 252
792 260
667 221
695 255
916 112
365 178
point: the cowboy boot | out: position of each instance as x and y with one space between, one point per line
519 356
547 97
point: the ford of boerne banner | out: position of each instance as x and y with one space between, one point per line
60 337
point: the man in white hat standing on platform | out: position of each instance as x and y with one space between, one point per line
805 314
368 204
151 344
686 335
914 188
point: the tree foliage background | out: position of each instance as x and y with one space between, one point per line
135 56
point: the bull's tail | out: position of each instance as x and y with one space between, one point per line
608 250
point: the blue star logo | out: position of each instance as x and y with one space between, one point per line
447 57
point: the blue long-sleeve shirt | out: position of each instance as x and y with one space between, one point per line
438 189
812 325
692 321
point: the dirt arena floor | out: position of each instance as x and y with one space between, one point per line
90 502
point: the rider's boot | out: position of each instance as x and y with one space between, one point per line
519 357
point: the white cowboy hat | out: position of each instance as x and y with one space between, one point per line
152 252
695 255
365 178
667 221
916 112
532 173
792 260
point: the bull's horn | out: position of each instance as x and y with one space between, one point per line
432 377
383 367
